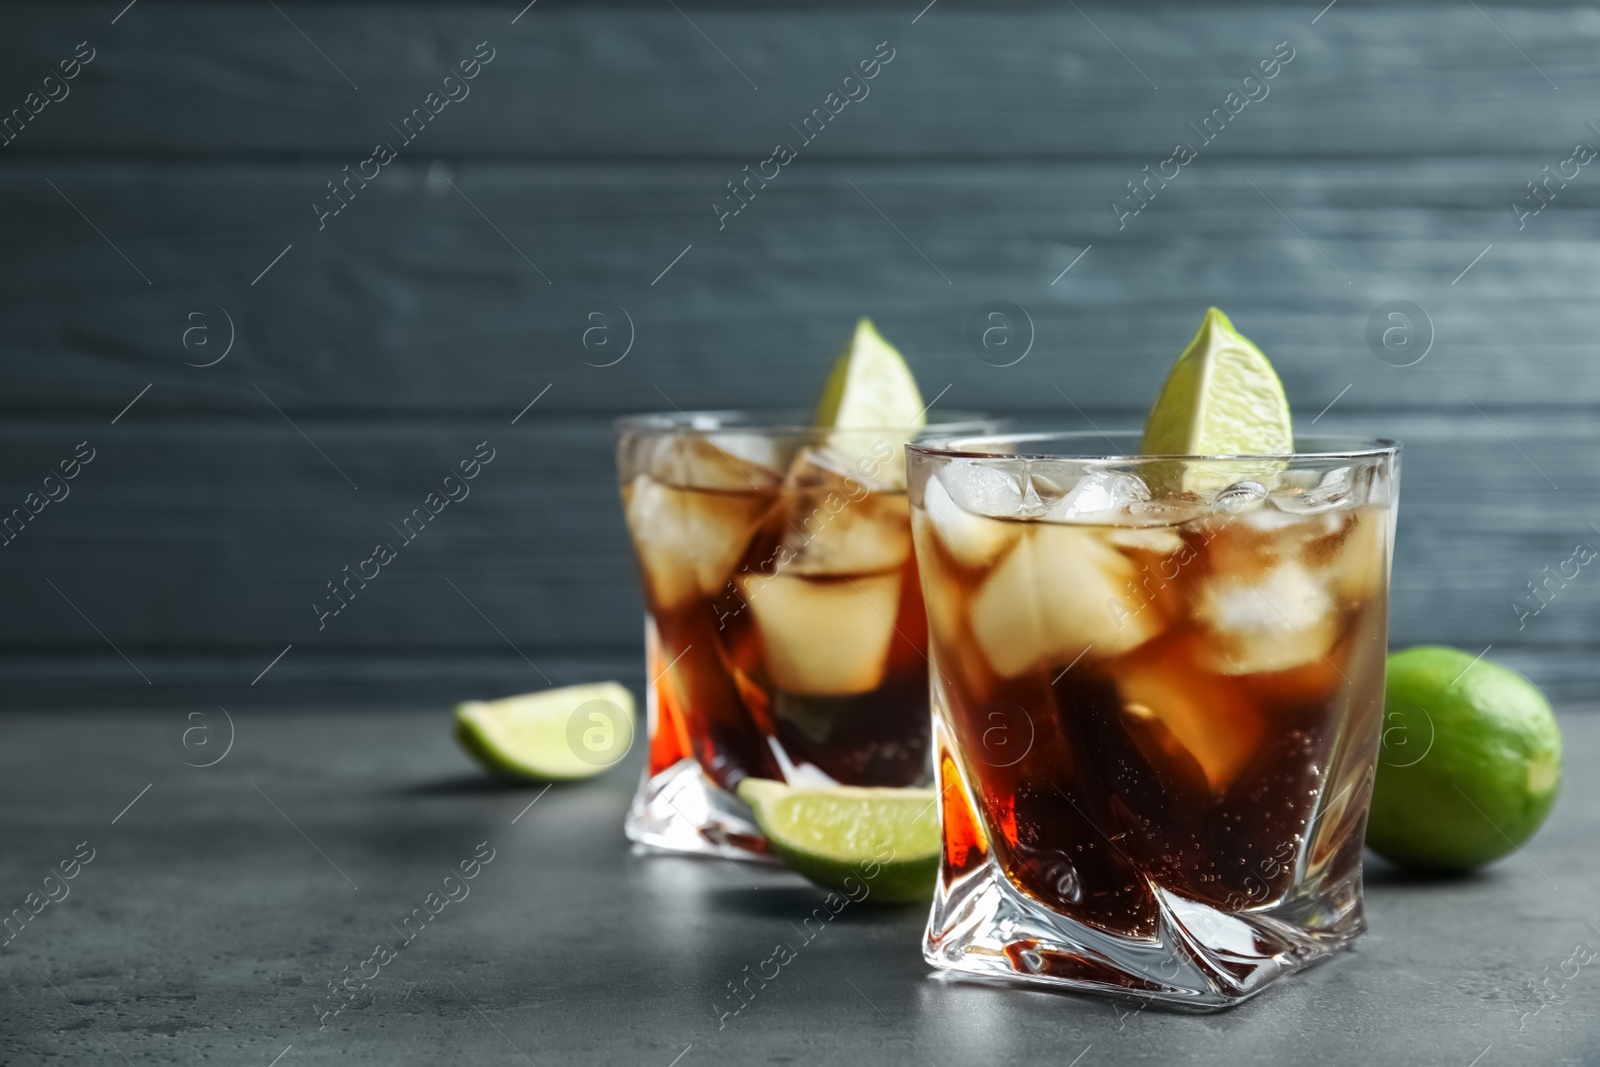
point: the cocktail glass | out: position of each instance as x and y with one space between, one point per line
784 631
1157 695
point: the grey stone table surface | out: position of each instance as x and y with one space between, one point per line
213 913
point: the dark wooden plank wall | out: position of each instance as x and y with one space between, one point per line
423 317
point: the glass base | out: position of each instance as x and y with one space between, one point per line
1199 958
680 810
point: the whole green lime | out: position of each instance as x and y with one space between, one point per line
1469 764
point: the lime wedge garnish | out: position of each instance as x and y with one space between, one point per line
1222 398
870 844
870 387
574 732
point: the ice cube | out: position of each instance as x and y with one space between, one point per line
695 461
1268 518
1171 713
865 537
1333 490
1099 496
1360 561
824 638
837 524
757 449
1263 535
689 542
1172 510
1258 621
1157 540
940 588
1060 592
972 540
1239 496
981 487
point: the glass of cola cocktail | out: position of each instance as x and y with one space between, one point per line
1157 707
784 632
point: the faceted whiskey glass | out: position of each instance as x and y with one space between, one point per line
784 632
1157 689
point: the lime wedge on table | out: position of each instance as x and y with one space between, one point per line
870 387
573 732
885 841
1222 398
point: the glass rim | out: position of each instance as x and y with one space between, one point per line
1320 446
794 422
